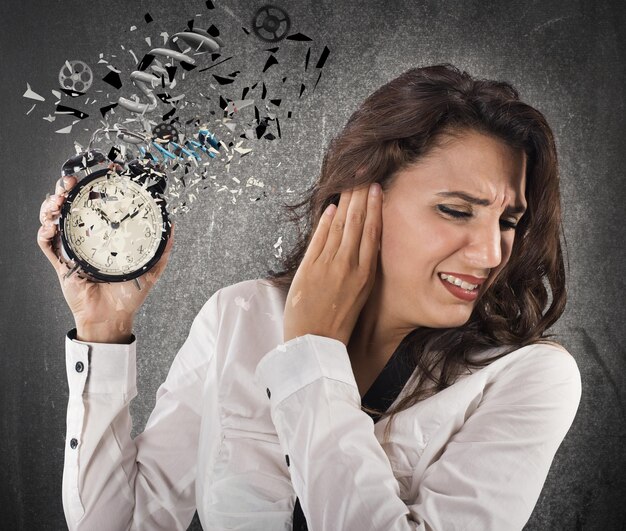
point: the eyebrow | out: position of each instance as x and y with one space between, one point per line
517 209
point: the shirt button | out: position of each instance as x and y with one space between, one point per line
287 459
79 366
73 444
269 395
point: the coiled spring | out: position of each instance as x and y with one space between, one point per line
197 39
203 139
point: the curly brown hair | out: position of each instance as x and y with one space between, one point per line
395 127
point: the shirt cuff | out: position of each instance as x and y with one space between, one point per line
100 368
302 360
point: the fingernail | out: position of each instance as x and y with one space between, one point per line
330 209
66 181
375 189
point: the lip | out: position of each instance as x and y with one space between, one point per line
458 291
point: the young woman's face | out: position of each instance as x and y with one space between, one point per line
421 238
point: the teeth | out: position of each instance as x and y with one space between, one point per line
458 282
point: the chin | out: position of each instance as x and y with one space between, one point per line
451 319
452 323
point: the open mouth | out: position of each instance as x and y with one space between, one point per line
468 286
459 288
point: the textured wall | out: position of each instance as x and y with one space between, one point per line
567 58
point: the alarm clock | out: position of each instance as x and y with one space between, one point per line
113 225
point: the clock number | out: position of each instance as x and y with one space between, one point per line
129 259
80 240
78 221
109 261
147 232
140 249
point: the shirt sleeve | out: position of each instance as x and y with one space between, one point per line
111 481
488 477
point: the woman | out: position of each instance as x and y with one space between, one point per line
362 387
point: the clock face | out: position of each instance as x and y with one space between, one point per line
113 224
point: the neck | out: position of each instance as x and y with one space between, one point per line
377 332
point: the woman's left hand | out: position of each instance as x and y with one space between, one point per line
338 270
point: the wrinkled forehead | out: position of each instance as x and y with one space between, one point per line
480 165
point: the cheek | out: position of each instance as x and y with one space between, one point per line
416 244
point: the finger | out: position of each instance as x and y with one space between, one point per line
65 184
335 234
372 229
50 208
355 220
45 236
320 234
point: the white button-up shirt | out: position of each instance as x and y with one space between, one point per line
245 423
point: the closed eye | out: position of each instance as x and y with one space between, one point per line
508 225
453 213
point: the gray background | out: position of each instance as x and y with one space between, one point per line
567 58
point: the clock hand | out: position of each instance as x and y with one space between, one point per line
131 215
102 215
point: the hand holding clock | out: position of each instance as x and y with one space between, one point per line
338 270
103 312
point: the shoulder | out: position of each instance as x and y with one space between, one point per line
552 344
547 357
242 293
544 366
251 296
556 356
541 379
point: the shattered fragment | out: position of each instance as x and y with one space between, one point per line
323 57
270 62
189 159
104 110
298 37
113 79
62 109
31 94
243 303
223 80
68 129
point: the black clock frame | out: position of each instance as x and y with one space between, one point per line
92 272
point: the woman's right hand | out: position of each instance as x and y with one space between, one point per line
103 312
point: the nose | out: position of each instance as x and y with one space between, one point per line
484 251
